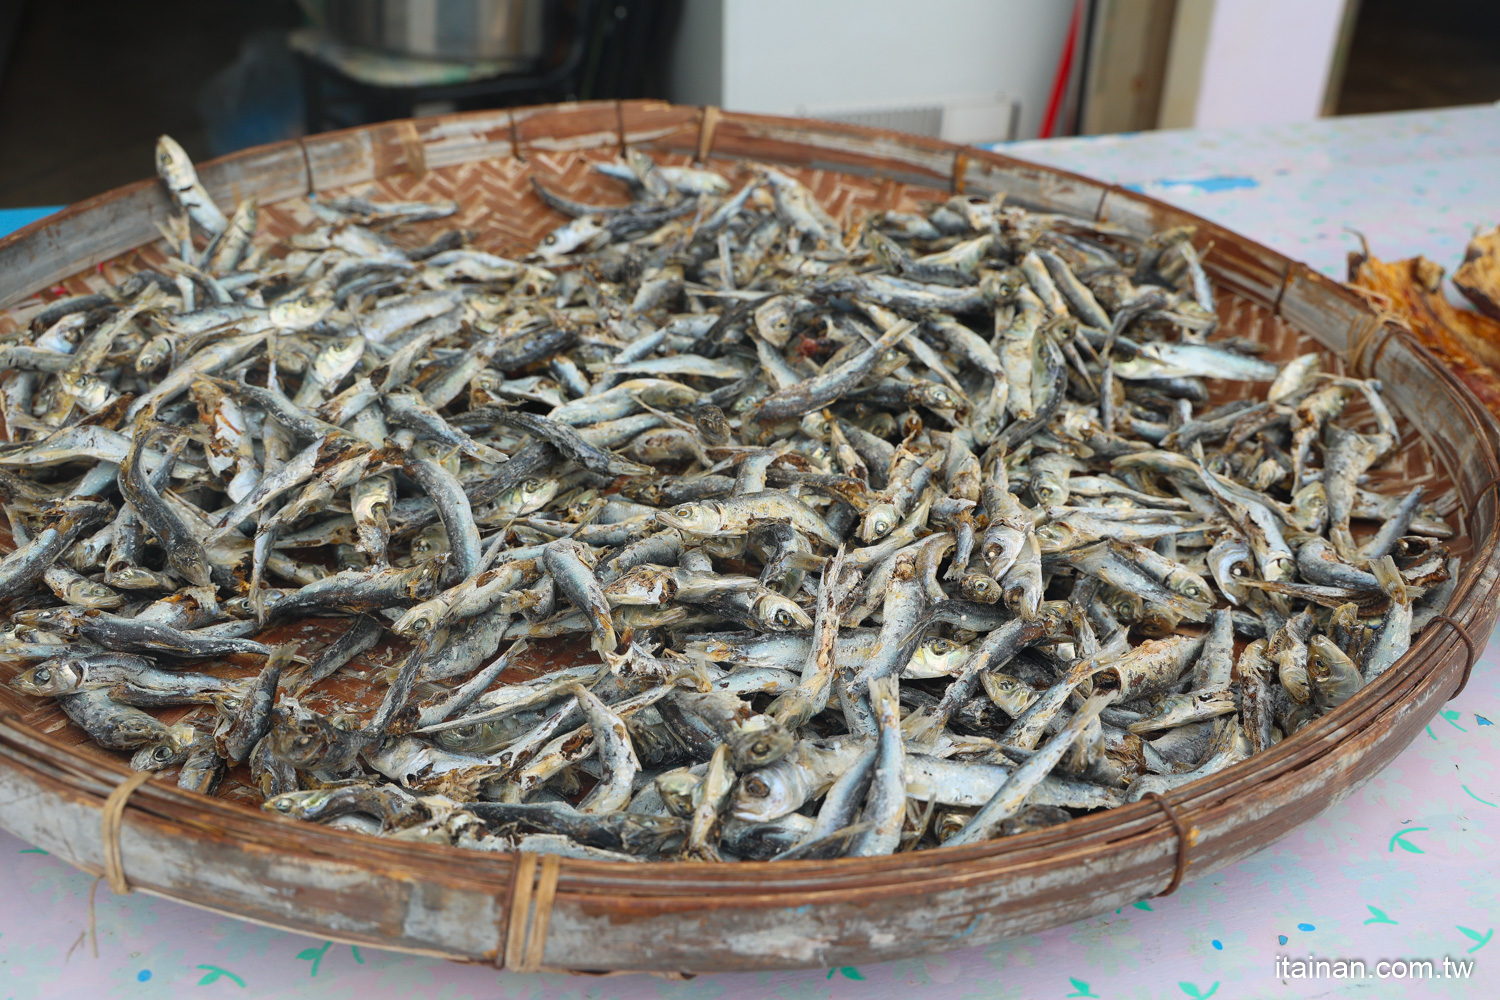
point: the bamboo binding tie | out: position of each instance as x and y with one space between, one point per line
707 126
411 146
530 911
109 828
959 173
1468 642
1389 330
1182 842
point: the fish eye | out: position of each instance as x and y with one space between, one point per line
532 485
757 787
42 675
304 741
761 748
283 805
782 617
162 752
941 646
420 625
683 511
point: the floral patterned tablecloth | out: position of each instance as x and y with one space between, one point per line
1403 870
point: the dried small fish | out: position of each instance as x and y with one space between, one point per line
719 528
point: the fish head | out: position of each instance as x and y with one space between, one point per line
1192 588
49 678
89 594
980 588
714 650
568 237
534 493
767 793
1267 474
1345 616
936 657
698 518
1171 711
1412 549
1294 678
1309 507
887 251
1011 694
169 752
135 577
421 619
1059 619
1058 536
301 740
678 789
1018 598
646 834
773 321
647 584
711 423
304 805
157 757
1126 607
135 729
173 164
949 821
759 741
1223 562
880 520
1158 621
303 310
1048 489
77 512
941 397
62 621
481 737
776 613
430 543
1326 662
987 419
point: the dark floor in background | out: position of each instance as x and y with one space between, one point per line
90 85
1433 54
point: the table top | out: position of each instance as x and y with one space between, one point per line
1418 182
1401 870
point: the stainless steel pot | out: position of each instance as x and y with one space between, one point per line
507 31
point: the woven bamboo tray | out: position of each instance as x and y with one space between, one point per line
228 856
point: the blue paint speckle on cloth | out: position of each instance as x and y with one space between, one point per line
1213 185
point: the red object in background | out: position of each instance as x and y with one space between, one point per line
1064 73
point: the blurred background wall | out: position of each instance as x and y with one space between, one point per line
86 85
891 63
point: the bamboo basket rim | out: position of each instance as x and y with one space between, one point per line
1199 804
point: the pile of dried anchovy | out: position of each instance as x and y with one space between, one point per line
841 541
